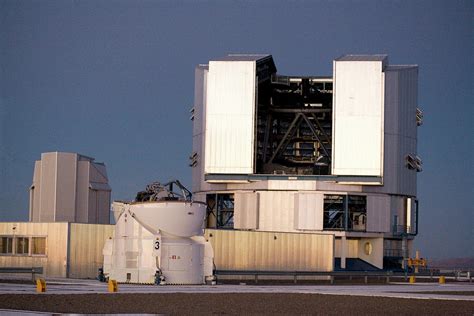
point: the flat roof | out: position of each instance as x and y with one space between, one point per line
400 67
242 57
377 57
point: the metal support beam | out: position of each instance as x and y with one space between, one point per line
346 212
281 110
316 121
285 139
315 133
343 252
268 128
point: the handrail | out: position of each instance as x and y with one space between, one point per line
332 274
315 273
38 270
32 270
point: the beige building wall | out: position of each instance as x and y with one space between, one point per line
358 248
378 213
352 248
47 188
65 187
371 250
68 187
72 250
54 261
82 197
85 249
246 210
35 194
268 251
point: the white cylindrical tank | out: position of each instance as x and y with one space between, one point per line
159 238
177 218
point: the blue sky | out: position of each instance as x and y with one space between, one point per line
114 80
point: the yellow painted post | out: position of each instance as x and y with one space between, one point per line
442 280
40 285
412 279
113 286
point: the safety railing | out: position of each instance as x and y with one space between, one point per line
16 270
431 274
393 253
404 230
332 275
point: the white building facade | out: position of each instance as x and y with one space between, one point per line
312 155
69 187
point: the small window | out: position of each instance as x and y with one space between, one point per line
225 211
357 212
220 208
6 245
38 245
345 212
334 215
368 248
22 246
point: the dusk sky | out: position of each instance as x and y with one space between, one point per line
115 80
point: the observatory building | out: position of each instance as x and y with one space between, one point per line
69 217
298 166
69 187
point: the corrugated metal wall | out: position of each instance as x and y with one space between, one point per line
408 102
200 82
64 192
246 210
277 211
47 183
230 117
286 211
358 118
85 249
398 208
309 211
35 193
83 196
378 213
352 248
401 98
54 262
244 250
66 177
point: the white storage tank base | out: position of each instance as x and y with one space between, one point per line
159 241
182 261
178 260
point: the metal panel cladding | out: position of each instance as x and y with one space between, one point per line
246 210
230 117
309 211
358 117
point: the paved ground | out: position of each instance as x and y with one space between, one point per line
400 290
88 296
232 304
